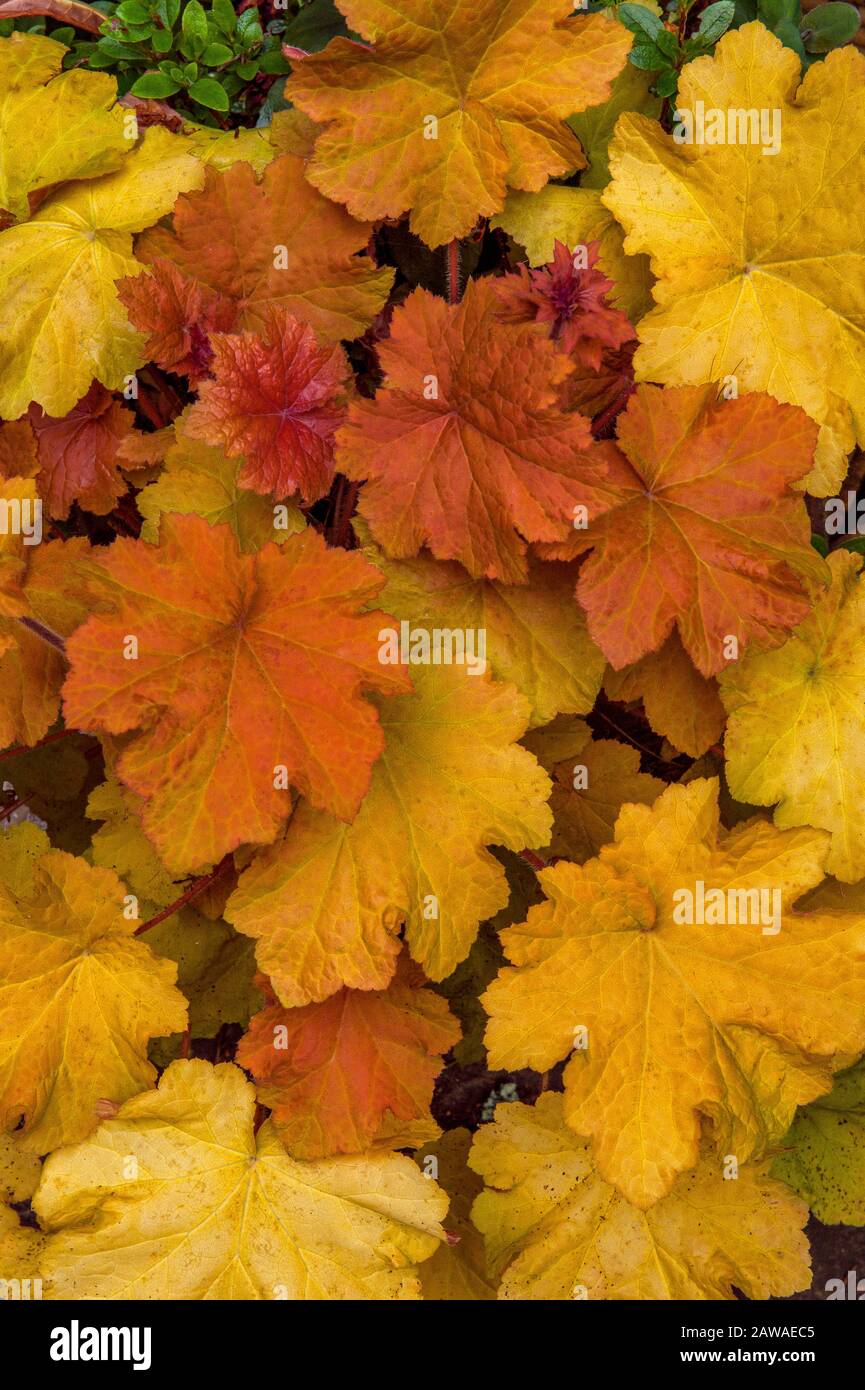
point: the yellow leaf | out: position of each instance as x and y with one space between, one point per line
199 478
19 1171
434 116
577 216
796 728
121 844
558 1231
758 256
732 1021
64 324
222 148
534 634
457 1270
326 902
67 129
79 999
178 1198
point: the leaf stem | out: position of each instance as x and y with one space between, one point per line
192 892
452 272
46 633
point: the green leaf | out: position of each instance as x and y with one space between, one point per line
647 56
247 70
772 12
168 11
826 27
224 16
856 544
668 44
162 41
132 12
716 20
274 62
208 92
823 1155
315 26
667 83
790 37
820 544
215 54
194 23
155 84
640 20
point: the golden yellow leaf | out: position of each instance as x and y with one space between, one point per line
79 999
534 634
428 117
53 126
557 1231
731 1021
64 324
178 1198
796 728
589 790
758 255
325 903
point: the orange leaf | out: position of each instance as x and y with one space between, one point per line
453 103
355 1071
276 401
465 448
178 314
273 242
695 525
78 453
247 671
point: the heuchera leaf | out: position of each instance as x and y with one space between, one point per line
38 582
427 119
694 524
796 722
535 638
354 1072
199 478
79 1000
234 237
772 295
576 216
823 1155
80 129
685 1021
570 301
680 704
57 274
326 902
178 314
276 401
555 1230
254 663
217 1211
457 1271
464 448
78 453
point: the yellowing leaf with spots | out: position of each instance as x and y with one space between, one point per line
796 729
555 1230
80 998
179 1198
691 991
756 241
325 904
448 104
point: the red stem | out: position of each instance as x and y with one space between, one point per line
23 748
13 806
197 887
453 271
533 859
